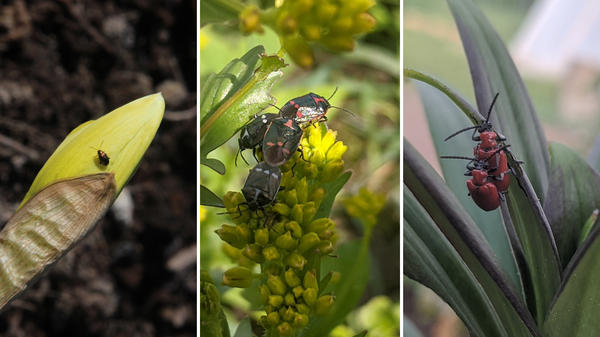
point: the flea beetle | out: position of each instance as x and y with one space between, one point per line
252 134
103 158
261 186
281 141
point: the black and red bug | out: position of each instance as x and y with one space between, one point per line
253 133
281 141
261 186
103 158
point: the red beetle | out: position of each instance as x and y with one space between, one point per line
483 192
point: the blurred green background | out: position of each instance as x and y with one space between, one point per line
368 85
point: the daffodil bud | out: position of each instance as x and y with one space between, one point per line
296 261
324 303
286 241
291 278
310 296
276 285
238 277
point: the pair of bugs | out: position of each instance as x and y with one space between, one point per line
489 166
279 136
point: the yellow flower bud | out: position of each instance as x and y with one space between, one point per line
310 296
286 241
285 329
239 277
324 303
291 278
270 253
276 285
275 300
310 280
273 318
296 261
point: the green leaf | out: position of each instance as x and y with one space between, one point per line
232 97
464 235
444 118
244 329
208 198
594 156
431 260
572 196
574 312
492 71
214 11
331 190
361 334
353 262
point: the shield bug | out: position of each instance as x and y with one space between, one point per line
281 141
252 134
306 108
261 186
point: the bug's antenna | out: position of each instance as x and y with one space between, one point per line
348 111
457 157
275 106
498 150
336 88
461 131
491 106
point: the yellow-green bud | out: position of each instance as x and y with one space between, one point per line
275 300
298 291
250 20
302 190
324 247
291 278
272 269
300 320
261 236
336 151
286 23
281 208
310 209
285 329
287 314
364 22
230 235
254 253
342 24
289 299
273 318
295 228
244 232
302 308
310 296
286 241
324 303
264 293
332 170
276 285
310 280
308 241
311 32
263 322
317 195
271 253
298 49
291 198
336 276
326 234
297 213
326 12
239 277
231 252
296 261
319 225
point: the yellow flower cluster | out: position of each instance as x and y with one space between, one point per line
285 237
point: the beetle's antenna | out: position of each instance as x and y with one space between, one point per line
461 131
336 88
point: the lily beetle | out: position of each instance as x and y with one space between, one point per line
261 186
281 141
252 134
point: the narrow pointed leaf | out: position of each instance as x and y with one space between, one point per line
232 97
492 71
331 190
464 235
444 118
432 261
574 312
208 198
573 195
47 226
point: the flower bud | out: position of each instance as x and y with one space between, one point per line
261 236
285 329
310 209
319 225
244 232
308 241
302 190
276 285
289 299
327 141
326 12
332 170
275 300
310 280
287 314
281 208
317 195
291 278
273 318
230 235
324 247
302 308
324 303
290 198
295 228
298 291
286 23
238 277
298 50
296 261
297 213
310 296
250 20
286 241
262 321
254 253
336 151
264 293
311 32
300 320
271 253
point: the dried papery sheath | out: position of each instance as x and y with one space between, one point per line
47 226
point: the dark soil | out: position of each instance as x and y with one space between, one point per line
63 63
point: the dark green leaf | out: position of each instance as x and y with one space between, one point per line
232 97
431 260
361 334
493 71
208 198
573 195
574 312
244 329
458 227
353 262
331 190
214 164
215 11
444 118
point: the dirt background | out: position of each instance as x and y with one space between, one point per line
63 63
